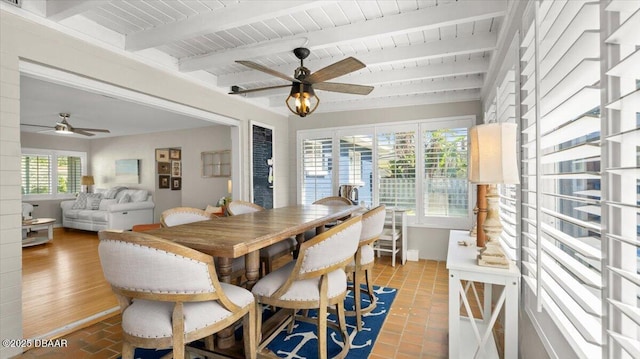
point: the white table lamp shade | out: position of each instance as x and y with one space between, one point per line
493 154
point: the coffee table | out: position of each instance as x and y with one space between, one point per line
34 223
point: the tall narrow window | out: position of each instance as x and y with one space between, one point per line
356 165
397 169
316 169
445 173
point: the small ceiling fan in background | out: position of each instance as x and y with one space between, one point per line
64 127
304 82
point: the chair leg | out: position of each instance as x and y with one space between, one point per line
357 299
249 322
322 331
258 327
372 295
127 350
343 327
293 321
267 266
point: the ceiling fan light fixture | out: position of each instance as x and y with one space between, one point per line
63 130
302 100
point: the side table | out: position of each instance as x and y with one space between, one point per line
34 223
471 337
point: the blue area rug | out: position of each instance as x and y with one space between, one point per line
302 342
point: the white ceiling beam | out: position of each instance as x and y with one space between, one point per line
400 101
425 19
58 10
214 21
449 84
431 50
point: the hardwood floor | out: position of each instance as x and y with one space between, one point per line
62 283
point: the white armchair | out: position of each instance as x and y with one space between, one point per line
169 294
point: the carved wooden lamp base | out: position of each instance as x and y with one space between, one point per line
493 255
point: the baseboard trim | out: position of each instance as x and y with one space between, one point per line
80 324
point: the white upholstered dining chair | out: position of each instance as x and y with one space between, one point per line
182 215
363 261
316 280
334 201
169 294
272 252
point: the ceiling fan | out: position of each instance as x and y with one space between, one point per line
64 127
304 82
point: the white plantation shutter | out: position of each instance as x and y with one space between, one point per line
568 156
317 169
356 165
621 177
36 174
506 113
69 174
445 174
580 179
528 142
397 168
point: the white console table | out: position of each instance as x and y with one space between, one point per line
471 337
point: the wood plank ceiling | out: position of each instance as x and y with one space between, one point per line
416 51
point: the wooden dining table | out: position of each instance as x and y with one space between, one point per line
244 235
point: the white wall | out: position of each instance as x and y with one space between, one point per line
431 243
29 41
196 191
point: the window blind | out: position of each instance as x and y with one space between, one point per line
621 178
445 172
356 165
36 174
69 174
397 165
506 103
562 251
317 169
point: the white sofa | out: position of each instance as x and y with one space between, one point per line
127 208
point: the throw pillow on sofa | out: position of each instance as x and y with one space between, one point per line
81 201
93 201
125 199
112 192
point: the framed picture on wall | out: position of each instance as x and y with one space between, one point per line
176 183
164 181
162 155
176 169
164 168
175 154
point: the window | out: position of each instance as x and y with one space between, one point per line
420 167
356 164
397 169
316 166
51 174
445 172
580 165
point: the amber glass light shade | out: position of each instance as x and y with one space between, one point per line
302 100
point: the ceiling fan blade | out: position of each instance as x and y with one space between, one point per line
342 67
26 124
92 129
239 92
344 88
82 132
265 69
